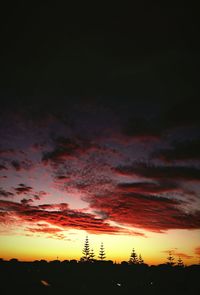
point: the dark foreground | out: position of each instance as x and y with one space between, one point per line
96 278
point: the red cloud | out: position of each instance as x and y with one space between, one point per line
145 211
52 232
62 217
44 229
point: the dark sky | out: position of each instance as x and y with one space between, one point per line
147 51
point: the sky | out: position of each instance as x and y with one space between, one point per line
99 128
124 172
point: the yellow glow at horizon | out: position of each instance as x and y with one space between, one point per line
117 247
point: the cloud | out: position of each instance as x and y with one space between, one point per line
4 193
22 165
45 228
23 189
66 148
154 124
3 167
159 172
60 215
141 127
154 213
178 254
74 147
16 165
147 187
184 113
186 150
26 201
197 251
183 255
7 152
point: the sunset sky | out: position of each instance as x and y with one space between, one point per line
122 171
99 131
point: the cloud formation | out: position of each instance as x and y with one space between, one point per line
61 216
4 193
133 162
186 150
23 189
3 167
159 172
149 212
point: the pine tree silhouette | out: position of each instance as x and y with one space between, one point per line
133 258
180 262
170 259
92 255
86 250
140 260
102 255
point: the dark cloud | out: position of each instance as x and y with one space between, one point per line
23 189
161 119
66 148
147 187
16 165
3 167
184 113
140 127
160 172
4 193
7 152
26 201
187 150
24 164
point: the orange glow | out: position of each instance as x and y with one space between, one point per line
118 248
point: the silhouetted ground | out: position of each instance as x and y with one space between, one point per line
56 277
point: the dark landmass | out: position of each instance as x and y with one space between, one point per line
55 277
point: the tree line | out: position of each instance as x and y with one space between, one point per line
89 256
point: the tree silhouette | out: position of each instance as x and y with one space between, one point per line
180 262
86 250
92 255
140 260
102 255
170 259
133 258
